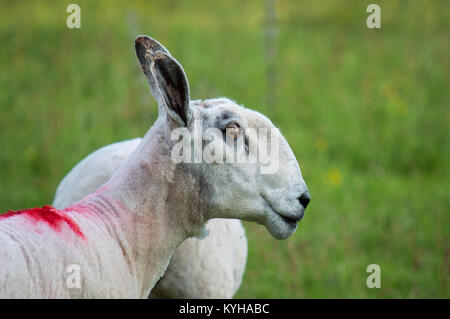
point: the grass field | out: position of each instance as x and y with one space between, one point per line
365 111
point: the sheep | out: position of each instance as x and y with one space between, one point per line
200 268
118 241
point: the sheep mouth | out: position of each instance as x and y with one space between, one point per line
291 221
279 225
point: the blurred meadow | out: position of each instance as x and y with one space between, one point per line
366 112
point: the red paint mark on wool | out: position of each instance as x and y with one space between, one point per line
49 215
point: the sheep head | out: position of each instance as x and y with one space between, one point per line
232 159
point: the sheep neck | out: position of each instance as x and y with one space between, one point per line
145 189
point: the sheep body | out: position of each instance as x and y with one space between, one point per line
207 268
211 267
36 258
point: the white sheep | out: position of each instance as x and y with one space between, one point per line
117 242
200 268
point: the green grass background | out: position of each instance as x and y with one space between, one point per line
365 111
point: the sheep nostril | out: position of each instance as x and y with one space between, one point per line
304 199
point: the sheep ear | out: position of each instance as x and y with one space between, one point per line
173 87
145 48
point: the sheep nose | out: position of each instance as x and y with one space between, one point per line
304 199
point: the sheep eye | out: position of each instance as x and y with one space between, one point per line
232 130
